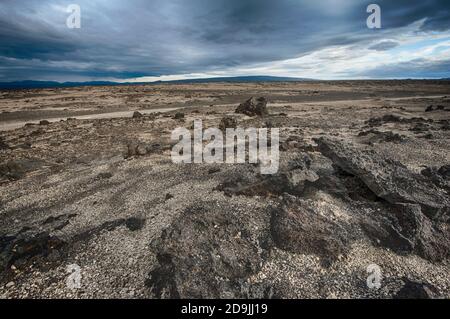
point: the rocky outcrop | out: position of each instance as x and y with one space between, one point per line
227 122
210 253
253 107
19 250
392 118
416 290
178 116
403 228
387 178
39 247
290 179
137 115
429 240
432 108
16 169
299 228
374 136
137 148
439 176
3 145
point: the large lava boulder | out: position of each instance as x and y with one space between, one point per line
210 251
253 107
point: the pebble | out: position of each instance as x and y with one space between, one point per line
10 284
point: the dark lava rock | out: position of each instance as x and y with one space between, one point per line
3 145
445 125
378 136
292 142
135 148
28 247
178 116
104 175
416 290
290 179
16 169
210 251
44 122
24 146
382 232
405 229
420 127
346 185
428 136
168 196
213 170
439 176
444 171
137 115
429 240
387 178
432 108
55 223
253 107
134 223
298 228
20 250
227 122
58 218
391 118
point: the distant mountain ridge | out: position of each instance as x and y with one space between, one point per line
50 84
257 78
53 84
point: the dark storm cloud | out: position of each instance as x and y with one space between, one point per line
124 39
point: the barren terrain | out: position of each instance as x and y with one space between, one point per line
364 179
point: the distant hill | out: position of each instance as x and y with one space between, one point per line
53 84
49 84
240 79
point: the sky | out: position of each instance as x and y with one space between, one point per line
150 40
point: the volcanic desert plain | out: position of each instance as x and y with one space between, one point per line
87 183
